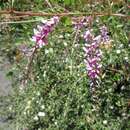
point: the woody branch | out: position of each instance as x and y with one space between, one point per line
29 13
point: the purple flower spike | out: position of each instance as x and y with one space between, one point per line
43 30
92 55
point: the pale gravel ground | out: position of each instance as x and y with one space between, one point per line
5 89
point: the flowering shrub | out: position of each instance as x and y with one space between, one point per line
58 93
58 97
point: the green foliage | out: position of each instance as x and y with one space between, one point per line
59 86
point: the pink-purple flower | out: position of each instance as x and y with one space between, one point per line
92 54
82 23
41 33
104 34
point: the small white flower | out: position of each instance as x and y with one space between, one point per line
37 101
10 108
35 31
46 51
110 90
51 50
39 27
29 102
118 51
123 87
24 112
43 21
38 93
76 45
68 34
111 107
126 58
43 107
123 114
97 20
65 43
61 36
105 122
67 59
121 45
27 107
44 75
70 66
41 114
106 91
35 118
56 123
78 74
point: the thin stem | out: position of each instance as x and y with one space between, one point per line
22 21
60 14
30 62
28 68
72 50
114 70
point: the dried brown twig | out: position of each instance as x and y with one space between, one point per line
29 13
20 14
28 67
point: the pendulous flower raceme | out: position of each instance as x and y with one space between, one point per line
41 33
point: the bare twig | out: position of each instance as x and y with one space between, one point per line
28 68
18 17
114 70
21 21
26 14
29 13
30 61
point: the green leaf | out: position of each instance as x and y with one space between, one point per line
12 3
67 2
66 21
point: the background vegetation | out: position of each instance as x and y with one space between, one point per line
58 86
